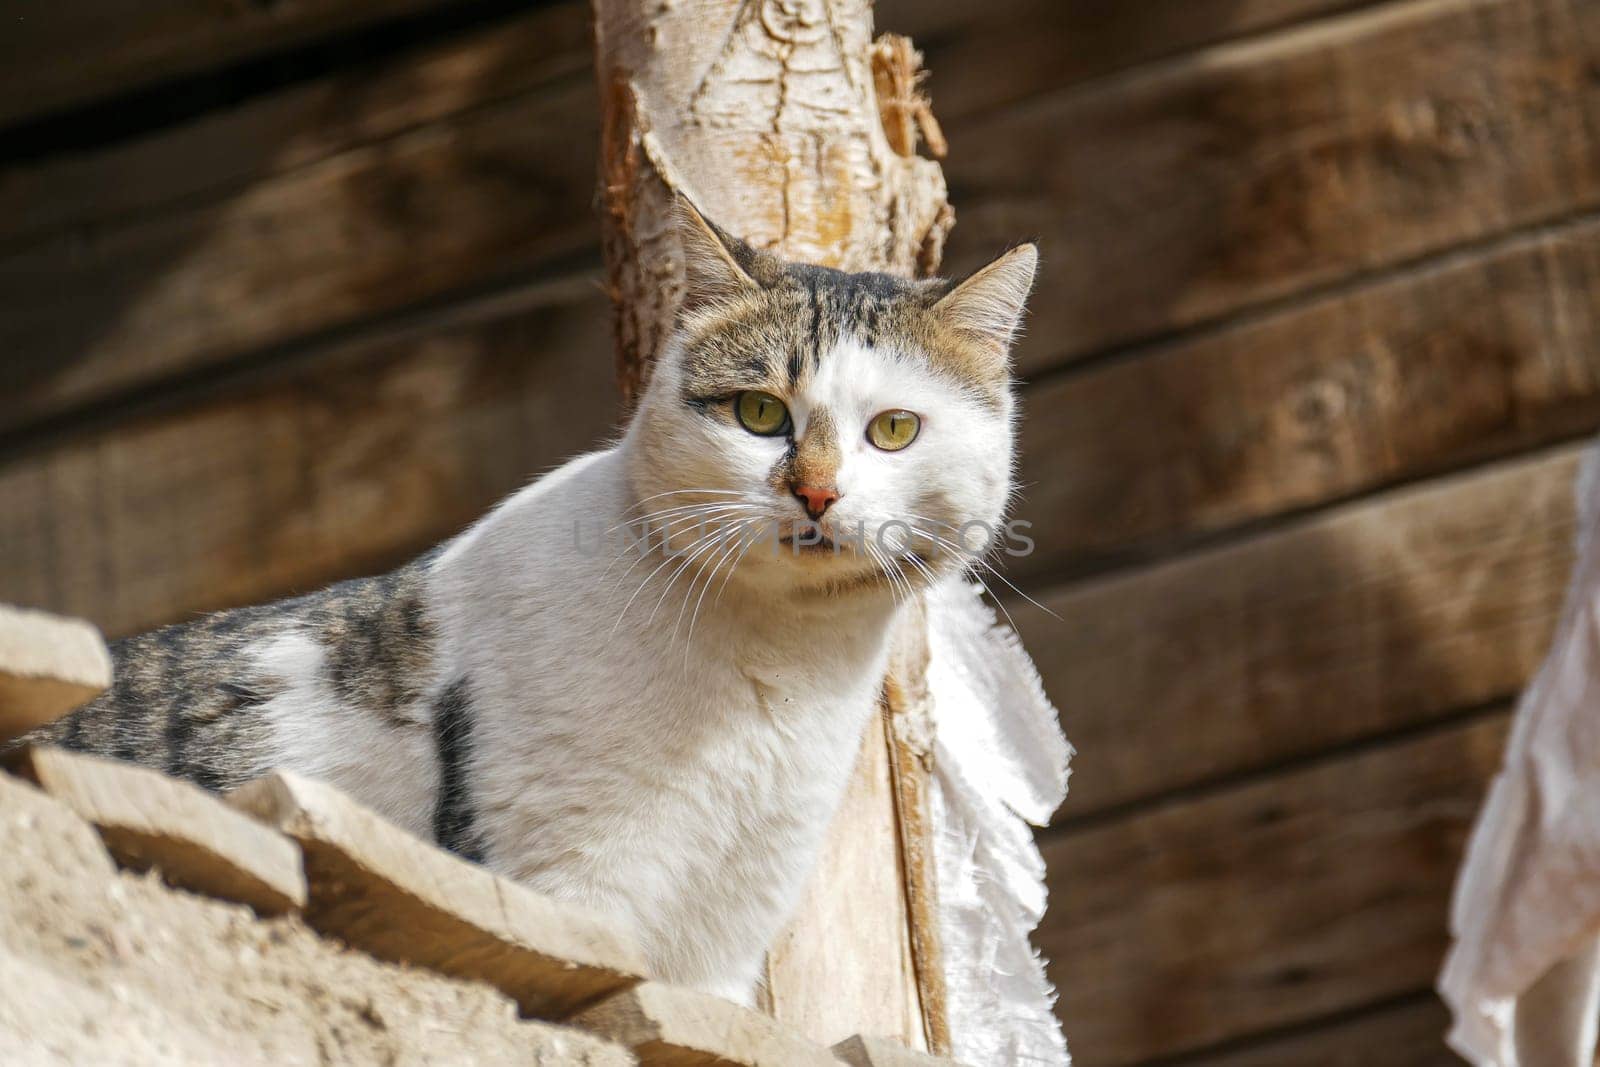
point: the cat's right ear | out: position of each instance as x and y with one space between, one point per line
714 262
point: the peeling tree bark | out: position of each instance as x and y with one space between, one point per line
789 127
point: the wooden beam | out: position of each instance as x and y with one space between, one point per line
149 821
432 212
1264 905
1486 353
221 153
1365 619
341 463
54 55
1407 1034
995 55
388 894
1251 172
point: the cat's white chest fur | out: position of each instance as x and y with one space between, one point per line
683 784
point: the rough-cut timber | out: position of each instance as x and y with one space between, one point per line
670 1027
48 666
1410 1034
149 821
764 113
1485 353
1366 619
105 967
435 211
54 55
377 888
342 464
859 1051
1252 171
999 54
222 153
1265 905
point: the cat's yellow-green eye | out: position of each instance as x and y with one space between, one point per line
761 413
893 430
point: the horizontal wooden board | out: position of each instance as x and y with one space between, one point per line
983 57
437 210
223 152
354 459
1249 172
1409 1034
330 201
56 54
1370 617
1264 905
1485 353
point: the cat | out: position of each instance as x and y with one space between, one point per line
560 693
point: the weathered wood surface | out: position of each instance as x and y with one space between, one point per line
436 210
1023 46
1249 172
1408 1034
671 1027
54 54
382 891
1266 904
1486 353
197 842
344 464
222 152
48 666
416 180
1366 619
985 57
827 986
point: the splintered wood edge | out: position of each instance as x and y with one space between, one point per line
862 1051
383 891
148 820
684 1028
48 666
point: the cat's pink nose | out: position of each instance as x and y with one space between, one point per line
817 499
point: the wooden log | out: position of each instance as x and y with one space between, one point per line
765 116
671 1027
117 46
1264 905
1484 354
197 842
1365 619
432 212
380 890
1408 1034
1250 172
48 666
340 464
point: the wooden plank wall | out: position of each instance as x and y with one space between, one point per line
290 291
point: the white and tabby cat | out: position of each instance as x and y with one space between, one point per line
661 730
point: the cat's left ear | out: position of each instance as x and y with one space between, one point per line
987 306
717 266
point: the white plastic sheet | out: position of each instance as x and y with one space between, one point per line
1522 976
1000 764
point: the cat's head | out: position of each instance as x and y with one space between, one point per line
794 404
